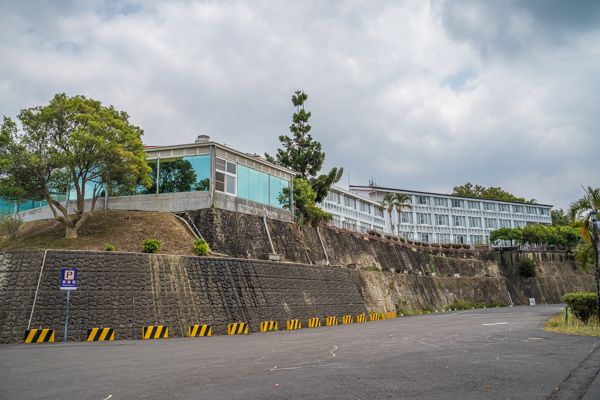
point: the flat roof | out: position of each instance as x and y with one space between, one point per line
335 188
222 146
382 189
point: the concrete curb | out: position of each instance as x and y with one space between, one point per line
583 381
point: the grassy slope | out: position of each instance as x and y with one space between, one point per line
123 229
574 326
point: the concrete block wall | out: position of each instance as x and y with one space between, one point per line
127 291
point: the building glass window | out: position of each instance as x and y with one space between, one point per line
519 209
490 223
424 237
504 223
477 239
442 220
444 238
473 205
406 218
475 222
424 219
253 185
459 220
462 239
530 210
225 176
457 203
490 206
544 211
378 212
278 188
520 224
423 200
504 207
439 202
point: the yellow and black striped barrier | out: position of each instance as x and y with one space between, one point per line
155 332
237 328
294 324
268 326
391 314
375 317
314 322
331 321
199 330
347 319
100 334
361 318
39 335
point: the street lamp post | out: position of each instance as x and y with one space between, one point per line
593 215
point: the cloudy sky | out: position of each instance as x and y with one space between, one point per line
418 95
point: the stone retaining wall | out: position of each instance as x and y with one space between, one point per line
127 291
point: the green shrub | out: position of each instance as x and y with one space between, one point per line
584 305
200 247
394 238
435 245
425 244
152 245
409 242
417 243
446 245
403 240
466 246
10 224
375 269
456 246
109 247
388 237
527 268
428 309
373 232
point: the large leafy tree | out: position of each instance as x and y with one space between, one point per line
302 154
72 143
470 190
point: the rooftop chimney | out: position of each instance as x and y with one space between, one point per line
203 139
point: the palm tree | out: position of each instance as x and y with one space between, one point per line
580 210
396 202
579 214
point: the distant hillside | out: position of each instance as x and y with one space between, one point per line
126 230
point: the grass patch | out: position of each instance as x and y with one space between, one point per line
374 269
574 326
467 305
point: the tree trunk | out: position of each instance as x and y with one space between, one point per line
71 231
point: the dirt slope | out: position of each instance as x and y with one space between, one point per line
126 230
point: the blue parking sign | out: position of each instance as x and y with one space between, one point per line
68 279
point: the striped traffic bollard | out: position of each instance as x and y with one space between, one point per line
391 315
155 332
375 317
237 328
100 334
331 321
39 335
268 326
199 330
347 319
314 322
361 318
294 324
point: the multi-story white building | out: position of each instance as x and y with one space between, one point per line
442 218
352 211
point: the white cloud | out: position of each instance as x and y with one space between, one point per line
421 96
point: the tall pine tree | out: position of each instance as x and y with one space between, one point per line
302 154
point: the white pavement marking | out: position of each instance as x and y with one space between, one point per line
109 396
333 354
497 323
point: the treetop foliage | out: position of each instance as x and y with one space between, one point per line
71 142
302 154
470 190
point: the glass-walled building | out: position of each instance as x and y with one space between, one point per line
439 218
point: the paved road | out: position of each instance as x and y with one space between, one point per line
475 354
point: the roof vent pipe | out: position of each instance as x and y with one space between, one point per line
203 139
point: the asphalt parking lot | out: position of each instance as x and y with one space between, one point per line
475 354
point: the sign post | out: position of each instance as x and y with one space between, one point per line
68 282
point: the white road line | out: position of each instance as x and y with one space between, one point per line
333 354
109 396
497 323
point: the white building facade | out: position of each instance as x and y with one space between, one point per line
440 218
353 212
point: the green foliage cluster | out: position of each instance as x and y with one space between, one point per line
71 142
109 247
304 155
10 224
306 209
470 190
373 232
373 269
584 305
527 267
468 305
532 234
559 218
201 247
428 309
152 245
